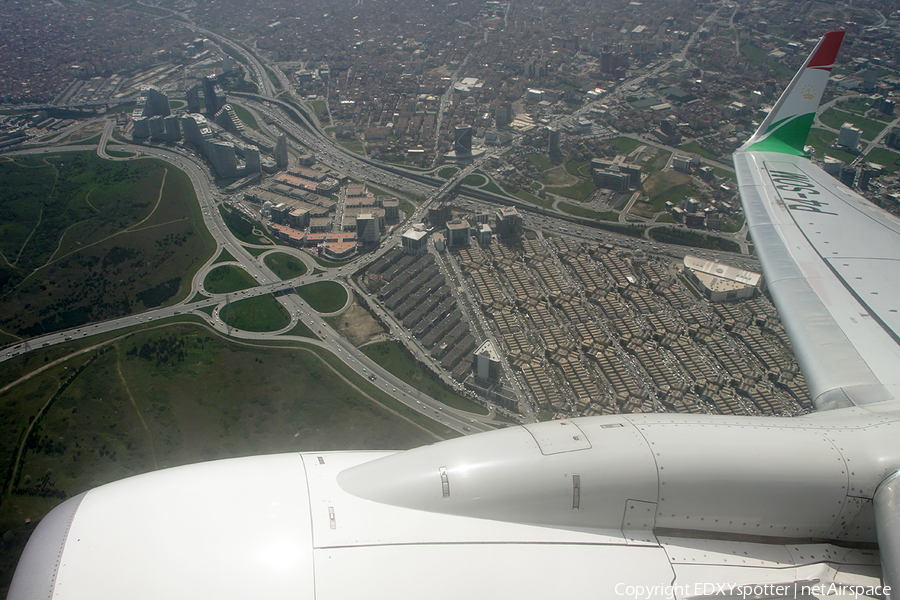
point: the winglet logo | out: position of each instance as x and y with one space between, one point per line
809 92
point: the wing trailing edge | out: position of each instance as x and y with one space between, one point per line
831 258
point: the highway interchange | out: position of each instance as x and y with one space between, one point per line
305 138
209 198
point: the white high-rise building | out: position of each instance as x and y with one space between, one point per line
849 136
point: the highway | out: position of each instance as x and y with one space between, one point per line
209 198
309 136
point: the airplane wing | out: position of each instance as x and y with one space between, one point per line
620 506
831 259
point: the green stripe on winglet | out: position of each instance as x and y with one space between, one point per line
787 137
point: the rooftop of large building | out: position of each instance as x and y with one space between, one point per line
719 277
415 234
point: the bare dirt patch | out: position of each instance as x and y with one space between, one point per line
357 325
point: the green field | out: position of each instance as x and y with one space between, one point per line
86 239
720 172
579 191
407 209
674 195
227 279
665 218
732 225
624 145
301 330
587 213
540 161
657 163
861 105
353 145
756 56
324 296
579 168
695 239
447 172
171 396
261 313
240 226
284 265
857 105
319 106
889 160
392 357
245 116
275 81
696 148
494 189
224 256
529 197
119 153
836 118
256 252
474 180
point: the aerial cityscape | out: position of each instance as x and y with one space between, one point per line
243 228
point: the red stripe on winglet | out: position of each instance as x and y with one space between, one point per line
827 52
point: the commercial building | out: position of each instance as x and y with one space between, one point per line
368 228
457 233
487 362
462 140
553 141
307 180
849 137
157 127
440 242
280 209
226 118
192 95
391 208
440 214
848 176
681 163
151 103
508 222
352 217
173 128
213 95
484 234
357 190
338 245
149 114
223 156
611 179
619 165
141 129
468 86
281 152
415 241
720 282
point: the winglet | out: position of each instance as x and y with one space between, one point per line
786 128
